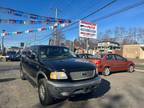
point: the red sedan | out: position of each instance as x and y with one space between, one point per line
107 63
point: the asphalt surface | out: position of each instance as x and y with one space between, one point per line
119 90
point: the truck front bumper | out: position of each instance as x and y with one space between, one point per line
66 89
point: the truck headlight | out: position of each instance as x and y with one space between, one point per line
58 75
7 56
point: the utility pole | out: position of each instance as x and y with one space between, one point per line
55 26
86 40
56 13
2 43
35 38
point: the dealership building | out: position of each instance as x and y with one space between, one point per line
133 51
108 47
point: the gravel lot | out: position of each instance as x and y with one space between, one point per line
119 90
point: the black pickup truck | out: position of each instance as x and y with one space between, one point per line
57 72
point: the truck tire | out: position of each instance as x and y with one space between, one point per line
22 75
106 71
44 95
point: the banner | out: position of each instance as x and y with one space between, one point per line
34 30
87 30
32 16
13 21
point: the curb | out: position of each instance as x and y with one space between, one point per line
140 70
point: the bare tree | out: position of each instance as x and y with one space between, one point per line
122 35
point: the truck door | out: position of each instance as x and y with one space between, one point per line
33 65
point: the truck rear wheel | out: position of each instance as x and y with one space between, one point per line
44 95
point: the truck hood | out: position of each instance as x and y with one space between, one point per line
69 65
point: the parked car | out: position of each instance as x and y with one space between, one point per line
57 72
107 63
12 56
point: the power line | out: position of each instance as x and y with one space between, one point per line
92 6
96 11
114 13
120 11
99 9
41 39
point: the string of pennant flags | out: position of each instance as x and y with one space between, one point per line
13 21
34 19
58 26
32 16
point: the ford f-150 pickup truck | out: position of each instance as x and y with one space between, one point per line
57 72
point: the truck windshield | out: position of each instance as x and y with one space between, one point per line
55 52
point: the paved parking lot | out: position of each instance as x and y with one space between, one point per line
119 90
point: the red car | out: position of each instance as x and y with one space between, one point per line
107 63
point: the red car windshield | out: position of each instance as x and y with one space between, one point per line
97 56
90 56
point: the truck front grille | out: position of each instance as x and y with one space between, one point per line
81 75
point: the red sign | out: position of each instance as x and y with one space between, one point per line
87 29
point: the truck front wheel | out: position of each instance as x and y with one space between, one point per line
44 95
